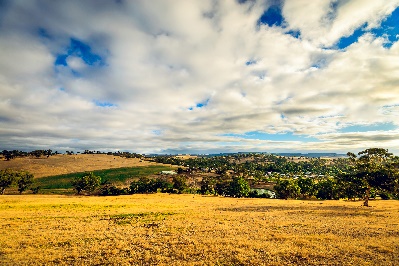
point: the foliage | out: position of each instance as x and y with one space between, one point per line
239 187
24 180
180 183
7 178
88 182
287 188
114 175
143 185
328 189
373 168
207 186
108 189
307 187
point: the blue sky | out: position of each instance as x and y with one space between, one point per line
199 76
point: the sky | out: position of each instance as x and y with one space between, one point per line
206 76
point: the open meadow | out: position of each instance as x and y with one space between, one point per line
65 164
163 229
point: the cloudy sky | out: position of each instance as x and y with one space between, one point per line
206 76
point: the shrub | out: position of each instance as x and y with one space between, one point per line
89 183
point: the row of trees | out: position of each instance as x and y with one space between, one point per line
11 154
370 173
8 155
91 184
8 178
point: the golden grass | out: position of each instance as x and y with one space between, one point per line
65 164
163 229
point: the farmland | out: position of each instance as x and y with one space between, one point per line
163 229
65 164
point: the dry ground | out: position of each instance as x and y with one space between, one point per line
65 164
164 229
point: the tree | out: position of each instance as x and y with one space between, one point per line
374 168
143 185
7 178
328 189
239 187
8 155
307 187
287 188
89 182
208 185
180 183
25 180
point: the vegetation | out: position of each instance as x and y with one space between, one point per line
88 183
374 169
24 180
373 173
172 229
10 177
114 175
370 174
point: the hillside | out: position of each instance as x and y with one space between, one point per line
65 164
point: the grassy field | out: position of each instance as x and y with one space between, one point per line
66 164
162 229
115 175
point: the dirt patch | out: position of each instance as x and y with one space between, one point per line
65 164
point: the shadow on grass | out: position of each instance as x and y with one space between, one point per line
317 209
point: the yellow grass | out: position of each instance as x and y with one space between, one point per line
65 164
166 229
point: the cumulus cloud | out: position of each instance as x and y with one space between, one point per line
151 76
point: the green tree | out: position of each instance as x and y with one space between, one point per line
180 183
287 188
374 168
144 185
89 182
207 185
328 189
307 187
7 178
239 187
24 180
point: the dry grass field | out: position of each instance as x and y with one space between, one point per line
65 164
162 229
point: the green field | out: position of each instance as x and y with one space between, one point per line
115 175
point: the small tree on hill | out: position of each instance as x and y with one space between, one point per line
25 180
89 182
7 178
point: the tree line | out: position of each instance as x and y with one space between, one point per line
22 179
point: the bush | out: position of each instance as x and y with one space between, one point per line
384 195
328 189
180 183
107 189
25 180
7 178
239 187
146 185
287 188
89 183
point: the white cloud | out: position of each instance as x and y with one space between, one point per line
161 60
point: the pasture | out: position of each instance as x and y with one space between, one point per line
162 229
